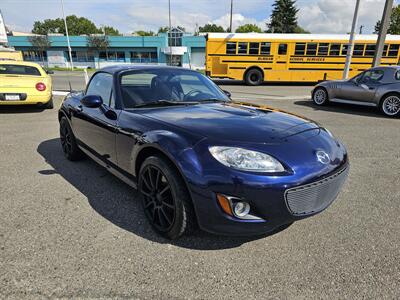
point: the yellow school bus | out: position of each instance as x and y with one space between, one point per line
259 57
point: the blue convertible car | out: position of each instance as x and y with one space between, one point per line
198 158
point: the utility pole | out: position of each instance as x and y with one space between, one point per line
169 32
230 23
66 32
351 42
380 43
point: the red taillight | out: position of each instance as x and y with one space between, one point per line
40 86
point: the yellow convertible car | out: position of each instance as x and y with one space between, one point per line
24 82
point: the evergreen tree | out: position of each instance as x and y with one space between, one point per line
284 17
394 25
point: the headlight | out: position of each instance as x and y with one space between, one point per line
246 160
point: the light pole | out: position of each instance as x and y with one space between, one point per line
66 32
169 39
380 43
351 42
230 22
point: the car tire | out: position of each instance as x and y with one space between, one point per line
48 105
68 141
253 77
166 201
320 96
390 105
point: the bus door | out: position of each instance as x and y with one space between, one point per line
281 62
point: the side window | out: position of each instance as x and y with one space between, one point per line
393 50
265 48
300 48
312 48
254 48
334 50
358 50
230 48
370 50
242 48
323 49
344 49
101 85
282 50
372 76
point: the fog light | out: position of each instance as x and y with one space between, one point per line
241 209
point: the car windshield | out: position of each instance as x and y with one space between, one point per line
166 86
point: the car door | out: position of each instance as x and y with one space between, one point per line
96 128
363 88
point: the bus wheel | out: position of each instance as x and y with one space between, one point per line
320 96
253 77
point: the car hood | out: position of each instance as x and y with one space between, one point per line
246 123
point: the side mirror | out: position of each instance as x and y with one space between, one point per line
227 93
92 101
49 72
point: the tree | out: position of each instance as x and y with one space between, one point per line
144 33
394 25
164 29
109 30
284 17
211 28
248 28
98 42
41 43
76 26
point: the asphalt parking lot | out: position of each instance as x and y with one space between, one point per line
72 230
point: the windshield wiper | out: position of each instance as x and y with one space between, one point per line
212 100
163 102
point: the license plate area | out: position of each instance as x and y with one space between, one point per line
12 97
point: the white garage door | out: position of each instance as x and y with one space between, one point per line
198 58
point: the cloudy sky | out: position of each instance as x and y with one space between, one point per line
317 16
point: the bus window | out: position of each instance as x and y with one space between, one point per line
312 48
358 50
266 48
282 50
300 48
370 50
230 48
323 48
242 48
393 50
334 50
344 49
253 48
385 48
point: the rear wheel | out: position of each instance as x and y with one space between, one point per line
68 141
253 77
166 202
320 96
390 105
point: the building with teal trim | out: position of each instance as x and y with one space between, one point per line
176 48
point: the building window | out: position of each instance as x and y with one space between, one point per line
81 56
112 56
254 48
33 55
265 48
175 37
144 57
230 48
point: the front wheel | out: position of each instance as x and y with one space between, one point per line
166 202
390 105
320 96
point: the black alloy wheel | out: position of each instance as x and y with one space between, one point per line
166 202
68 142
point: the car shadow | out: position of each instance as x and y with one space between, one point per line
20 109
342 108
274 83
120 204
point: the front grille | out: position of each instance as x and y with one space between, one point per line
315 197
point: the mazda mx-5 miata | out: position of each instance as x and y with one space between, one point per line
198 158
